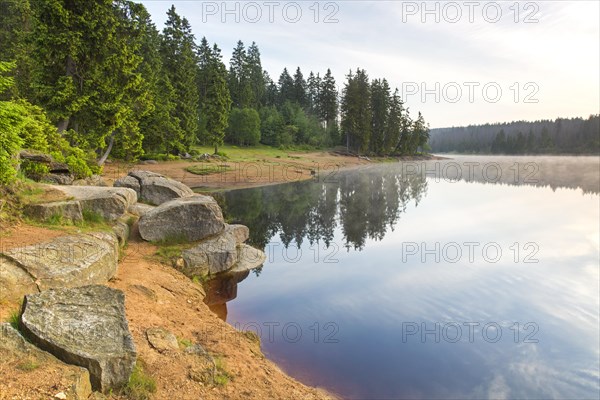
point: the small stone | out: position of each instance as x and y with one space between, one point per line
60 395
161 339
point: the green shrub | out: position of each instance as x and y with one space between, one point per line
34 170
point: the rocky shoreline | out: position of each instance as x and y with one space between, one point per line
71 315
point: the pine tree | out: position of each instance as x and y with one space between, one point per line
300 89
328 99
179 60
380 98
286 88
313 92
216 101
356 111
239 78
393 126
255 76
87 72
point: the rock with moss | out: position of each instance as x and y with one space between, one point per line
186 219
108 203
84 326
67 211
66 261
153 188
16 351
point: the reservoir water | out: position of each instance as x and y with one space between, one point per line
475 277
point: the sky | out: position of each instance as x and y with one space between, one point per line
458 63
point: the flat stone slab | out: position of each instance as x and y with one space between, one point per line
71 380
84 326
110 203
67 210
186 219
66 261
153 188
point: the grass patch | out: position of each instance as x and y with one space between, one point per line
13 319
55 219
91 217
168 254
140 385
222 377
28 365
208 169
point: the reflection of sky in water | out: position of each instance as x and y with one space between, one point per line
370 294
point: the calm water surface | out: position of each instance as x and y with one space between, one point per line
424 281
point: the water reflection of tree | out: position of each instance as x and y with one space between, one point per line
363 205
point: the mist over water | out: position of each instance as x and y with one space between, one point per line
425 281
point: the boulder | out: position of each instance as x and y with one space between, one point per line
187 219
129 182
15 282
67 210
248 258
84 326
66 261
108 202
59 178
162 340
72 380
214 255
154 188
140 209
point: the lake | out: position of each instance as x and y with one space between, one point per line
475 277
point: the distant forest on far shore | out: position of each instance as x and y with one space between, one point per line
561 136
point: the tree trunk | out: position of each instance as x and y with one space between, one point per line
102 159
216 149
63 125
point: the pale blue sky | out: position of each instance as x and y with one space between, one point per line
556 51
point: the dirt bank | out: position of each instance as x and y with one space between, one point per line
259 170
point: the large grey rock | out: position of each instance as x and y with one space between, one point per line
66 261
214 255
67 210
16 351
84 326
186 219
154 188
129 182
15 282
108 202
